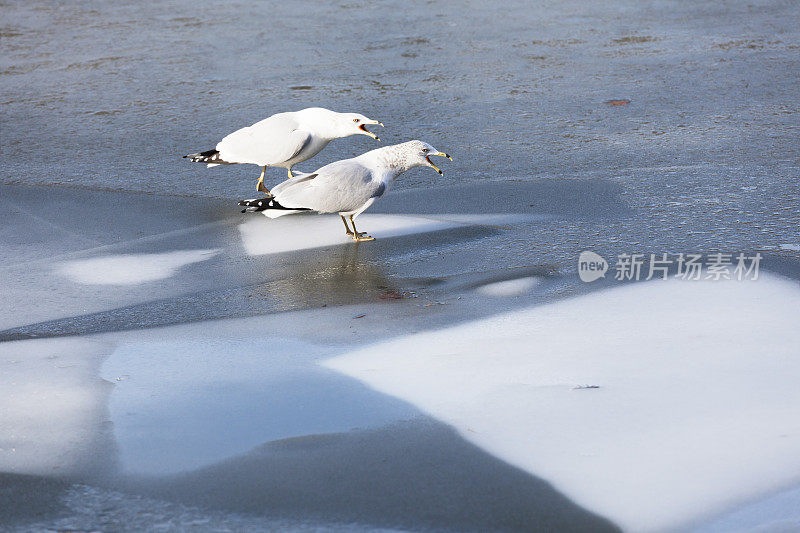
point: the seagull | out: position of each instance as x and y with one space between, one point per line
285 139
347 187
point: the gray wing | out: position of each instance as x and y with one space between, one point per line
299 177
339 187
272 141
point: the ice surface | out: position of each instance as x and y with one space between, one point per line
300 232
778 513
696 163
696 408
51 404
130 269
123 512
189 396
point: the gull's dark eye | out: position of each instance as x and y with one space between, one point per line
356 120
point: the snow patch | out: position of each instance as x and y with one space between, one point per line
511 287
130 269
688 403
50 404
301 232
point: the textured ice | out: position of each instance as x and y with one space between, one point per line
130 513
695 410
130 269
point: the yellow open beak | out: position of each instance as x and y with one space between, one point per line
365 130
434 167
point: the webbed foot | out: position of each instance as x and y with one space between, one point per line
362 236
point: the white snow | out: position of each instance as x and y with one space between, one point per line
130 269
51 404
299 232
696 410
511 287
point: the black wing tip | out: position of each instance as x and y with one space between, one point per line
258 204
267 202
209 156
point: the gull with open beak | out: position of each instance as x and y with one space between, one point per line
347 187
434 167
285 139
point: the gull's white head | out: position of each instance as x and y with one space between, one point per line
335 125
354 124
419 153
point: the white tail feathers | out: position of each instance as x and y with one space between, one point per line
275 213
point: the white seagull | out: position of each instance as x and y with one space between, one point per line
346 187
284 139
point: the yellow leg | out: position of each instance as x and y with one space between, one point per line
346 227
359 236
260 185
289 170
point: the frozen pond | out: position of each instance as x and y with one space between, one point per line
168 362
111 96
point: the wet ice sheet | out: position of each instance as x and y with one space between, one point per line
139 250
130 269
203 395
707 164
695 380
